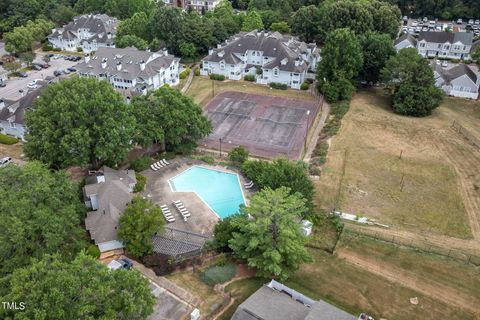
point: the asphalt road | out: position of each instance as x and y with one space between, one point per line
11 91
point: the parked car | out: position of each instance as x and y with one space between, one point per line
36 67
124 263
22 74
477 22
3 84
72 69
459 21
45 66
32 85
5 161
471 21
445 63
57 73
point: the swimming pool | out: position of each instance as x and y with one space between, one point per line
220 190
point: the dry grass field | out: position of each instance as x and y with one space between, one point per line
202 88
14 150
410 173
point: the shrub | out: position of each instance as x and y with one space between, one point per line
218 77
4 139
140 164
305 86
321 150
57 49
79 49
93 251
280 86
47 47
185 73
238 155
222 259
314 171
259 71
218 274
141 182
339 109
249 77
207 159
197 72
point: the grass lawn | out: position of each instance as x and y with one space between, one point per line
190 281
441 271
14 150
240 290
356 290
201 90
368 147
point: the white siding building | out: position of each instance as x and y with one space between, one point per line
269 56
459 81
131 71
89 32
3 75
447 45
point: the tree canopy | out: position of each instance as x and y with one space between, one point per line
138 224
166 116
22 37
271 240
409 79
252 21
377 49
342 59
79 121
40 213
281 173
81 289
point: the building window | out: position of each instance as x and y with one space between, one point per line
275 72
13 125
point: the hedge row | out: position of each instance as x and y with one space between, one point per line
249 77
219 77
280 86
185 73
4 139
141 182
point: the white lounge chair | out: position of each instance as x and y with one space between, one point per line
164 162
158 165
153 167
249 185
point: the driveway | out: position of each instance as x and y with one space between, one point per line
15 84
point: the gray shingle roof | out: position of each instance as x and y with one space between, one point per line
106 61
14 110
272 44
455 72
277 302
112 196
465 38
98 24
407 37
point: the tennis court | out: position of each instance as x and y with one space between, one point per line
267 126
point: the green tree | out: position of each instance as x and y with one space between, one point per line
81 289
224 230
271 240
18 40
27 57
161 24
281 27
281 173
166 116
252 21
40 213
409 79
137 26
476 55
238 155
13 66
79 121
342 59
139 223
377 49
305 23
131 41
188 50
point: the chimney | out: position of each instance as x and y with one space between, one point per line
210 51
119 65
2 104
165 51
142 65
87 58
109 35
53 30
297 62
219 46
104 63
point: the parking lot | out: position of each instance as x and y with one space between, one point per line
415 26
14 84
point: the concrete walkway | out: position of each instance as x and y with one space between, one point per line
316 134
189 80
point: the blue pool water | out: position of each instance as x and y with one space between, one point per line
221 191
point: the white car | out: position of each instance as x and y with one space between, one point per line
32 85
445 63
5 161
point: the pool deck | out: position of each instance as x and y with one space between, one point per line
202 219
